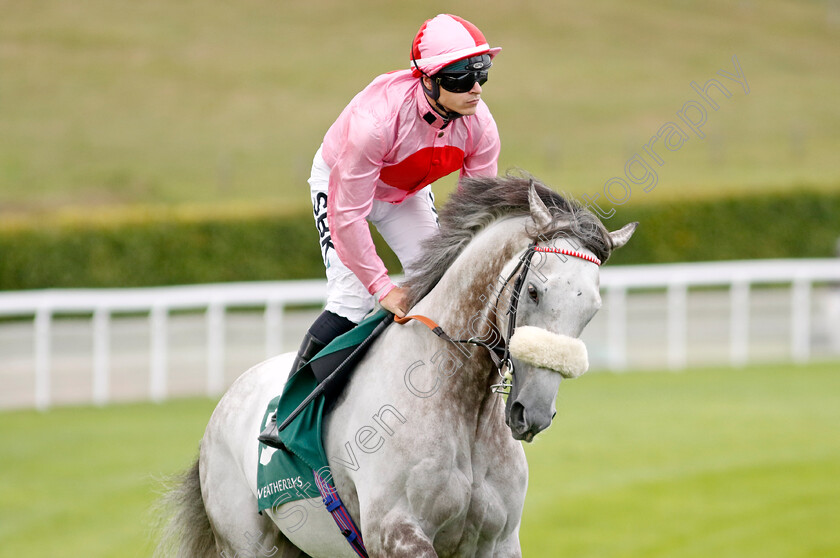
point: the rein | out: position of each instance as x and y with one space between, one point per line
437 330
500 351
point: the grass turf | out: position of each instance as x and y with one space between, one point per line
107 103
721 462
709 463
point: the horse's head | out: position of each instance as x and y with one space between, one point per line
558 293
537 254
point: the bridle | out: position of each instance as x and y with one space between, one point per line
499 351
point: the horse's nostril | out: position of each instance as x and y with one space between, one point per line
517 413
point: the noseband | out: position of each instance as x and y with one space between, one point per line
499 351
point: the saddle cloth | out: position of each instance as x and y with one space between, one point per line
287 475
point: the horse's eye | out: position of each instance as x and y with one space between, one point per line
532 292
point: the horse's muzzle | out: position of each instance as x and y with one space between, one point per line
520 427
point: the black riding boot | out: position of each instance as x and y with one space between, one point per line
308 349
327 327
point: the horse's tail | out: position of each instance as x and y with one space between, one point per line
186 532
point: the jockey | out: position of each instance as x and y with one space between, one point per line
405 130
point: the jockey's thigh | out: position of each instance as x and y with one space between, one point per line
405 225
346 296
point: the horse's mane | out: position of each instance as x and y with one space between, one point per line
478 202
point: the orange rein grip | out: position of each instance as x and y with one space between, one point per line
428 322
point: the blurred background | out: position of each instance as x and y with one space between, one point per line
153 145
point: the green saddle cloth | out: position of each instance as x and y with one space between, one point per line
287 475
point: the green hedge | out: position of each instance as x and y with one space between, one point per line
177 248
156 252
160 249
804 224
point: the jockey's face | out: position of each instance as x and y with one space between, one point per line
462 103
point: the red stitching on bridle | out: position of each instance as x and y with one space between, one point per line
566 252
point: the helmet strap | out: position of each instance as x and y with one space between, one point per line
434 94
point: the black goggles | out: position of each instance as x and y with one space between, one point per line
462 81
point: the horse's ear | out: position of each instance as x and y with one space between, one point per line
620 237
539 212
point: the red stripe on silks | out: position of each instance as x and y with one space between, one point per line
422 168
415 46
474 32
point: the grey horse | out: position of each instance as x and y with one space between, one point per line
422 448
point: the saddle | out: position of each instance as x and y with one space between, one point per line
323 377
333 364
286 475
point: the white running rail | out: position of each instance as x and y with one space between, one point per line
43 306
158 302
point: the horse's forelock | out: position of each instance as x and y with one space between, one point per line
478 202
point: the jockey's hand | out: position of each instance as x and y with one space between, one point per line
396 301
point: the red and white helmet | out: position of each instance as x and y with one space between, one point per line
443 40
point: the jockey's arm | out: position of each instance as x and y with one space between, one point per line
352 185
484 159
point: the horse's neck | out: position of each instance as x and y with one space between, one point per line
467 288
463 304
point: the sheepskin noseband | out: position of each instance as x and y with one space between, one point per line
539 347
